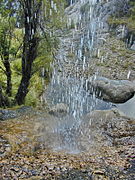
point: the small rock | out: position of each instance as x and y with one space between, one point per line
99 172
60 109
35 178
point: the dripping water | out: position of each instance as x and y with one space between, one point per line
68 77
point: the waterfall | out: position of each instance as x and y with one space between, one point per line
71 62
78 44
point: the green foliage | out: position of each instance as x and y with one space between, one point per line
16 43
17 66
43 62
6 31
35 90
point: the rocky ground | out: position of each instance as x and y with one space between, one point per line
26 154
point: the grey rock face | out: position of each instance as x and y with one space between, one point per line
115 91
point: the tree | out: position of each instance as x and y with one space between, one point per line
38 15
31 12
40 19
7 25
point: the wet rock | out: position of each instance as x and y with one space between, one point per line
7 114
11 113
99 172
60 109
115 91
36 178
74 174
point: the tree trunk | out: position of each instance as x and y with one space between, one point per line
8 74
5 60
29 55
31 10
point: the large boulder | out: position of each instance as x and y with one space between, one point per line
115 91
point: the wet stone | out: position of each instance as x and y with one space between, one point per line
59 110
6 114
4 146
75 175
